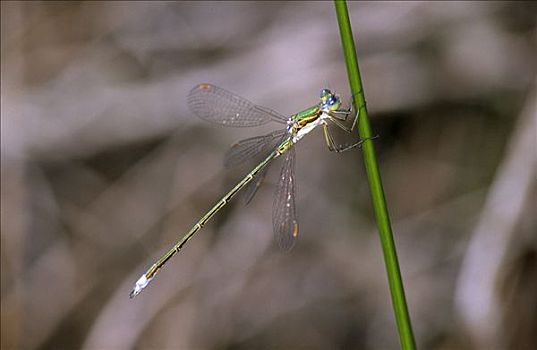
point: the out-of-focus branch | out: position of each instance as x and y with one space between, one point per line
477 293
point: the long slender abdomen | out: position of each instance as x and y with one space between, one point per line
146 278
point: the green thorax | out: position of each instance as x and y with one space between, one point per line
307 115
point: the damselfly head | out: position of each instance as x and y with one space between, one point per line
329 101
325 93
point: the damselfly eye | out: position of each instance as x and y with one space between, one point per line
325 94
333 103
331 100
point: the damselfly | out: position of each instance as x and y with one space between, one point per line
222 107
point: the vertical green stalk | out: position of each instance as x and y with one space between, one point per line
375 183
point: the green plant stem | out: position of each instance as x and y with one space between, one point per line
375 183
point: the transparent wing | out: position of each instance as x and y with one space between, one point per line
253 186
283 210
251 147
220 106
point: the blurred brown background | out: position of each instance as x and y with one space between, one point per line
104 167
